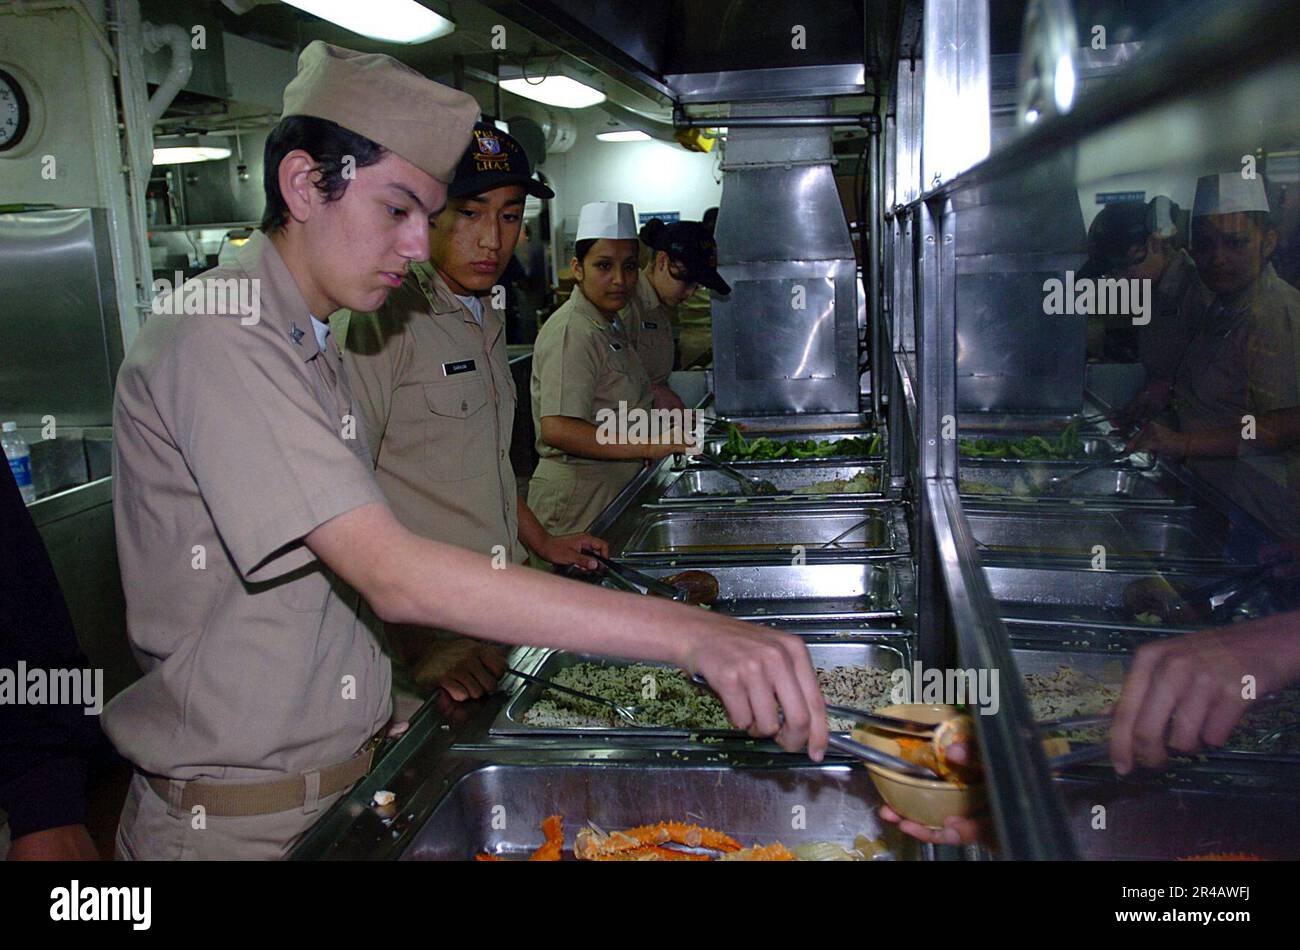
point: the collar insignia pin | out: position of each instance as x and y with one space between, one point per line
296 334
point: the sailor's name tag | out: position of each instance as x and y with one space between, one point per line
647 325
458 367
615 346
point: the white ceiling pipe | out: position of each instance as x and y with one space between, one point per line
155 38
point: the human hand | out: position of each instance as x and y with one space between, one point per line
664 398
1160 440
573 549
464 668
764 678
956 829
65 843
1190 691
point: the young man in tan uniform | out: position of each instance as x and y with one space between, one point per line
433 383
1242 363
249 524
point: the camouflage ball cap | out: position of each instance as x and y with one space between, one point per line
389 103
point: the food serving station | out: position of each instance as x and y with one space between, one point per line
984 514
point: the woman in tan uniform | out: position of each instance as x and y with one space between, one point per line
684 257
584 367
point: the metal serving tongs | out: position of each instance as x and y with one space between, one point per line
847 531
627 713
842 743
715 422
1057 482
748 486
636 582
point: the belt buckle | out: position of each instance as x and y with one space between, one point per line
380 741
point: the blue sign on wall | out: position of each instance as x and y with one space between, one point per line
1111 197
667 217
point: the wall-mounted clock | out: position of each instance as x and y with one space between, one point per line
15 111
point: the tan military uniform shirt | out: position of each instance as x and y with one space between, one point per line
231 444
1180 301
1244 361
437 397
581 365
649 324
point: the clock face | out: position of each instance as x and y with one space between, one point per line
14 111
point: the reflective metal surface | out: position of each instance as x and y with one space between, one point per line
705 484
1061 595
785 338
790 82
711 532
770 593
59 331
1152 820
1078 532
753 805
1029 483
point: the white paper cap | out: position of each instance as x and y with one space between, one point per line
607 219
1228 193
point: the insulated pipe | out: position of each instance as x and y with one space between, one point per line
155 38
872 261
138 133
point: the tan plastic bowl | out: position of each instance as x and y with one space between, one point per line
926 801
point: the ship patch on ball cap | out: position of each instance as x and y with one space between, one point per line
494 159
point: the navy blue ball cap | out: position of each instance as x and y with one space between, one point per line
494 159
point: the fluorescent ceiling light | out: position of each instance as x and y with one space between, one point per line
1063 83
392 21
623 135
184 149
558 91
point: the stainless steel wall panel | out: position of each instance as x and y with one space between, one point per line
59 328
786 338
777 213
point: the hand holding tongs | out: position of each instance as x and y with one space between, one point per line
636 582
842 743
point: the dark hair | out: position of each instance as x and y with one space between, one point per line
652 233
583 247
1263 221
328 143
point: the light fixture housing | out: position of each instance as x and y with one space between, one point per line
623 135
391 21
186 149
554 85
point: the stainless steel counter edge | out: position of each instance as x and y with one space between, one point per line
67 503
1027 809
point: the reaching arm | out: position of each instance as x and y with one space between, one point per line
579 437
411 580
558 549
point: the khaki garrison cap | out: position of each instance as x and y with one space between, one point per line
374 95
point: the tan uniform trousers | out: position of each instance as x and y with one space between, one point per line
567 497
150 831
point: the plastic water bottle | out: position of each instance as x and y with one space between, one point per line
20 460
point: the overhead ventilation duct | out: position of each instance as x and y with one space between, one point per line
785 339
